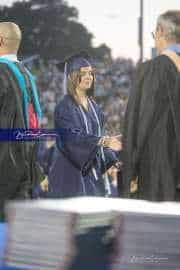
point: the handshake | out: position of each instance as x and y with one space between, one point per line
113 142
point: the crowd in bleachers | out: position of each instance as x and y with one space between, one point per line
113 82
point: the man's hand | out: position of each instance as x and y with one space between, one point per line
134 186
44 185
113 142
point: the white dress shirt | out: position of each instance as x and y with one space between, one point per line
11 57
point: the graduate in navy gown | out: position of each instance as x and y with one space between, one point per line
84 153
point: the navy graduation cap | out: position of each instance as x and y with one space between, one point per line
73 63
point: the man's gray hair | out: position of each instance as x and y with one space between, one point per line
170 23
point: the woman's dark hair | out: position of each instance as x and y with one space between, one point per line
73 80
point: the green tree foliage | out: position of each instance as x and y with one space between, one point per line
51 29
103 52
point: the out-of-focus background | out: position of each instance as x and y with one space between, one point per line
116 33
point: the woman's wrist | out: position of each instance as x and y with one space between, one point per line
104 141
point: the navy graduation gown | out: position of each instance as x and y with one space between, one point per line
71 174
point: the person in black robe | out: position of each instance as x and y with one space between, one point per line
18 166
152 133
84 153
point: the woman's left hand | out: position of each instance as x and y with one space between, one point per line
44 185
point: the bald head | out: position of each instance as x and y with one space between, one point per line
10 37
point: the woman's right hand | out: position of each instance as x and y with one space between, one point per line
114 143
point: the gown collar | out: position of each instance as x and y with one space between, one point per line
11 57
174 48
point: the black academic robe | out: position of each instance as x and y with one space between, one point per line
18 166
150 141
71 175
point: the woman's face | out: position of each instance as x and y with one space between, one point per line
86 78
